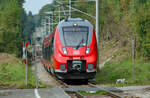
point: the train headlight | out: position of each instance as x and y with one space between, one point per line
90 66
87 51
63 67
64 50
75 24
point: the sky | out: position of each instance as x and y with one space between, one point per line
35 5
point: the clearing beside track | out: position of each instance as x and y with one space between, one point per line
12 72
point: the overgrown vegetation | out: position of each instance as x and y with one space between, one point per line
11 26
99 93
15 26
122 69
29 27
12 72
120 20
14 75
125 19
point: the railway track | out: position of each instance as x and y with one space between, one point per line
72 89
110 93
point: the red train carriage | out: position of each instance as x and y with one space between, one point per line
71 51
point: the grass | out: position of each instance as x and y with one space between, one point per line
120 66
123 69
12 73
99 92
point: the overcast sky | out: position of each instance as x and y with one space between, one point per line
35 5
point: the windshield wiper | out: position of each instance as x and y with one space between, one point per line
77 47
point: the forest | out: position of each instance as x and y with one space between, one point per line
15 26
120 20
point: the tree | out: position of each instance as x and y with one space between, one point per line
11 26
29 26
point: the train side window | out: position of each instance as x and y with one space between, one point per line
52 45
46 53
43 49
49 53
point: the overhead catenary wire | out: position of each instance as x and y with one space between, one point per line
50 19
58 11
78 1
77 10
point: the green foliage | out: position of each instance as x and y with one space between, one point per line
13 75
143 28
126 19
99 92
113 71
29 27
123 19
11 26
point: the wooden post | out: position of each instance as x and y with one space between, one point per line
97 33
133 57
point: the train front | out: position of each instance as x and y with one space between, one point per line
75 50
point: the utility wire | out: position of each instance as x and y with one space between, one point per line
50 18
77 10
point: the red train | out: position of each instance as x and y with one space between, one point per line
71 51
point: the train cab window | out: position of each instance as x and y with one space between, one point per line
75 36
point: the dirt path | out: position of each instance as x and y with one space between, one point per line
44 76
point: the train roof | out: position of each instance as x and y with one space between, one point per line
72 21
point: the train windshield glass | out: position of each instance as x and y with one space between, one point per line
75 36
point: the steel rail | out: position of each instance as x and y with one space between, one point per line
112 94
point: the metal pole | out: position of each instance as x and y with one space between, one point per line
44 26
46 22
26 69
97 28
49 25
26 75
133 57
59 14
52 20
97 21
69 8
63 10
36 75
42 30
